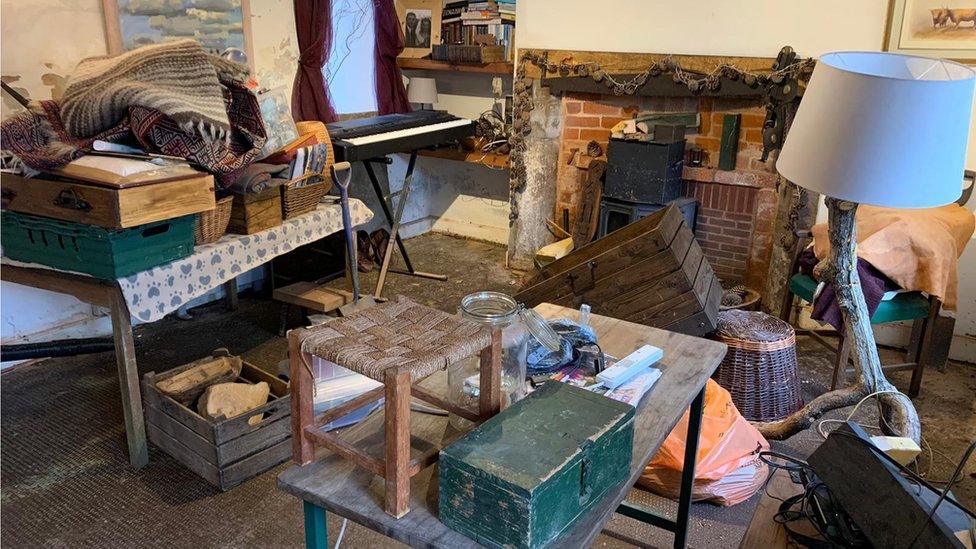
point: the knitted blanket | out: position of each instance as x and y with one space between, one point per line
177 79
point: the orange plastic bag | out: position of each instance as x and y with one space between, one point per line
728 469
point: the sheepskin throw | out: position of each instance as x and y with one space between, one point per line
177 79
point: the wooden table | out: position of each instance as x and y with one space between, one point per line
335 484
109 293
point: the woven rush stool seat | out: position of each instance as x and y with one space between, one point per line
760 368
399 334
398 343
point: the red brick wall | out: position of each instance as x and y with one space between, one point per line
736 208
725 226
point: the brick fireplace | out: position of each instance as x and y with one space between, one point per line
736 208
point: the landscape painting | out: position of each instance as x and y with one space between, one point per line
935 28
216 24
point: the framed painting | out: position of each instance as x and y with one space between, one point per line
216 24
420 21
933 28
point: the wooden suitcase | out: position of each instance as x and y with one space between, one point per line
527 475
108 205
651 272
227 452
252 213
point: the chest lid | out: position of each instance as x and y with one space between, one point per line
536 438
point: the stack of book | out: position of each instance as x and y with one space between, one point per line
462 20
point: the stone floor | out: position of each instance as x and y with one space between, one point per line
64 479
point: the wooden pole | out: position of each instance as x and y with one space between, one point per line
898 415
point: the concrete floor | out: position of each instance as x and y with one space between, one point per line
64 479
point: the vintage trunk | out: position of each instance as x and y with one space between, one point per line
526 476
651 272
226 452
252 213
105 205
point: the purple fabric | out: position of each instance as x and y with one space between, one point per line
310 96
874 284
391 96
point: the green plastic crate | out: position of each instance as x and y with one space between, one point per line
102 253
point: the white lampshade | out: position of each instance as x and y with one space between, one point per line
422 90
882 129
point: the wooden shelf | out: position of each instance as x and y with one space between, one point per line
491 160
430 65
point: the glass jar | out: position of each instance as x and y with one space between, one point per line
517 324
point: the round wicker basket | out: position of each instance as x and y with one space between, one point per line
760 367
212 224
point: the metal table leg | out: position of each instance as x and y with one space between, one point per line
680 525
688 469
316 528
125 357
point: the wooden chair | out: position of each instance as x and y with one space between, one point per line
916 306
398 343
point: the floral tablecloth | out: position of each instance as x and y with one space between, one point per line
156 292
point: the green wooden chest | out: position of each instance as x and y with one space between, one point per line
529 474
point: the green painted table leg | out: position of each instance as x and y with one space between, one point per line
316 530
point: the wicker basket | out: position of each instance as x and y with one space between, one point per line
297 199
212 224
760 367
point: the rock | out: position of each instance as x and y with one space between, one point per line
227 400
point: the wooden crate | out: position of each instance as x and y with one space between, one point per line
651 272
527 475
252 213
105 205
228 452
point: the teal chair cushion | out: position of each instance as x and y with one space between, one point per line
904 306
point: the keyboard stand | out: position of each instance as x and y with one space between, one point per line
394 222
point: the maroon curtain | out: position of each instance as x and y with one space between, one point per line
310 95
391 96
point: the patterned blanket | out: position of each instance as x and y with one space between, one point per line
177 78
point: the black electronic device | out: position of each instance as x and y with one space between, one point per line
366 138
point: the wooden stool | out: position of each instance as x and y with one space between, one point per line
398 343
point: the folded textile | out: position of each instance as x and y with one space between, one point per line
874 285
258 177
38 137
177 79
918 249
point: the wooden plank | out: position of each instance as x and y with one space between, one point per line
180 432
302 382
254 465
183 454
194 421
625 62
229 429
436 400
764 531
588 212
85 288
268 435
397 427
490 380
249 215
128 371
500 68
347 450
492 160
312 296
339 486
349 406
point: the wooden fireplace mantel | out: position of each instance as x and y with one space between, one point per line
626 65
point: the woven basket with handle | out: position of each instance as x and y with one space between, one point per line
297 196
760 366
212 224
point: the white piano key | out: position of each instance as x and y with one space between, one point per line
397 134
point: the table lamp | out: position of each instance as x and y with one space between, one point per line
887 130
423 91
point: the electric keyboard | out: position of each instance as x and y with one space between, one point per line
366 138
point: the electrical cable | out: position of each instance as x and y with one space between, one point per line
342 532
945 493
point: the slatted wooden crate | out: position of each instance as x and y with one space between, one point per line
228 452
651 272
252 213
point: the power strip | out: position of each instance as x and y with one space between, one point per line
629 366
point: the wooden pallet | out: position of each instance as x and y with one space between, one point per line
651 272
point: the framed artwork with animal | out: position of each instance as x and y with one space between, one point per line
933 28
